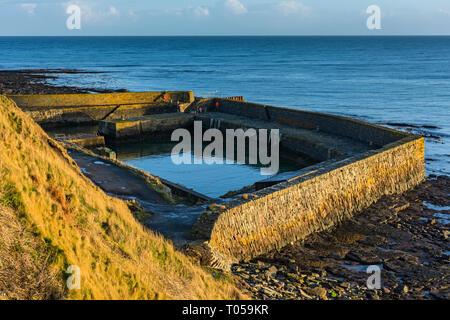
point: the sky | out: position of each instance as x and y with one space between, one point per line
223 17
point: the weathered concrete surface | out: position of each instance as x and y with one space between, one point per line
136 128
162 186
88 141
113 179
66 109
318 145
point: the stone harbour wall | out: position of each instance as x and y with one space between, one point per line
100 99
138 128
333 124
276 216
70 109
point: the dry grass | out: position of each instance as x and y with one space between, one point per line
118 257
25 263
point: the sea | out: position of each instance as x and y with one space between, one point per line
401 82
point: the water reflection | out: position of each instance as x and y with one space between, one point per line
212 180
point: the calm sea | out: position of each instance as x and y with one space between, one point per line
383 80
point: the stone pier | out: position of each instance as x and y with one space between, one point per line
77 109
350 164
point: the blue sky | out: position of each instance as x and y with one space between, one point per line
224 17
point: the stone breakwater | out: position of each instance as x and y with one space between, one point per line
81 109
271 218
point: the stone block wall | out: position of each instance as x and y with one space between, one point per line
75 109
346 127
137 128
100 99
240 108
291 211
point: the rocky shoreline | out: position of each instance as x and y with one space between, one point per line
34 81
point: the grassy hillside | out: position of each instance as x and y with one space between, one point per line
52 216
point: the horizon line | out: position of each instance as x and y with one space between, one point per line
239 35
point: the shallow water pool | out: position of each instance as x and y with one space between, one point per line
212 180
